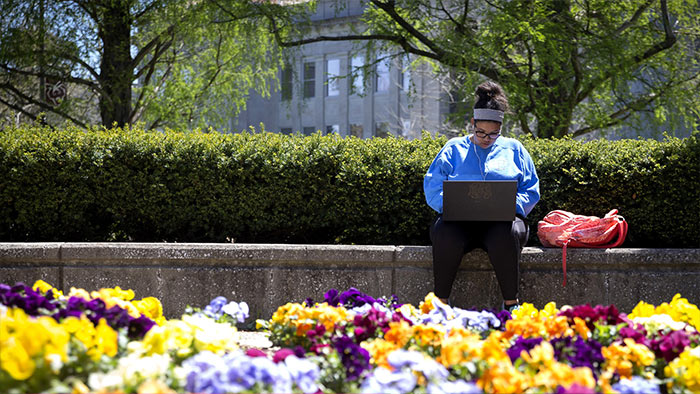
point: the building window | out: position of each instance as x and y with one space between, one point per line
286 82
332 75
382 75
309 130
381 129
356 130
309 79
286 130
334 128
357 80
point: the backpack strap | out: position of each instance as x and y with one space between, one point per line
621 235
563 260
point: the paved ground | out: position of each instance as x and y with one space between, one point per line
257 340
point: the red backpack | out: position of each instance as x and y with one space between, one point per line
561 229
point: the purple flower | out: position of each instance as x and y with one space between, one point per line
304 374
353 298
607 314
213 310
366 325
636 384
578 352
25 298
671 345
521 344
384 381
637 332
139 327
331 297
354 358
575 389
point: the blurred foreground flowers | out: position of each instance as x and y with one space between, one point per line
106 341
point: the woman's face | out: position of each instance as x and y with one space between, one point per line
485 132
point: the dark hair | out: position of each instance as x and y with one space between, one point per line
490 95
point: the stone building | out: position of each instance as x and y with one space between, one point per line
339 87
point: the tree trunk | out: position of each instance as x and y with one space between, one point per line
116 71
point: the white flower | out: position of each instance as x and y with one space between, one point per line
659 322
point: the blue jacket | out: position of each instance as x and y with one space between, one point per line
506 159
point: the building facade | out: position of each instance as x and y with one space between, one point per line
340 87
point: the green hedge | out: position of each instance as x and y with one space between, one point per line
117 185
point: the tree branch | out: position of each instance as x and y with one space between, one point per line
81 81
626 111
633 19
22 110
390 9
154 42
669 40
45 106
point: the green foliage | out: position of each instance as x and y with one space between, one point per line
568 67
130 184
164 63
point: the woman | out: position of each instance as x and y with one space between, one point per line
482 155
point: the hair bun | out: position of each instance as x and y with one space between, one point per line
491 95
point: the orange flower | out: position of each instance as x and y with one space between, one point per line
379 350
399 333
502 377
429 335
558 326
623 359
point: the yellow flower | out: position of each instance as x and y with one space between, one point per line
152 308
460 347
22 338
15 360
540 355
549 310
106 340
44 288
685 371
526 310
82 293
409 310
98 340
558 374
173 335
429 303
154 386
679 309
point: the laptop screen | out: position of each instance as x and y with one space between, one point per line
479 200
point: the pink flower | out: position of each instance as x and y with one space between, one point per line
282 354
255 353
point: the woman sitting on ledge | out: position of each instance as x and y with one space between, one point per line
483 155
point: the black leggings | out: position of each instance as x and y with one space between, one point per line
503 241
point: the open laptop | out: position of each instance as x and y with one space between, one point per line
479 200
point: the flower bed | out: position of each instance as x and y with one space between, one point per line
105 341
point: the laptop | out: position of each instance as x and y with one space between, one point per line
479 200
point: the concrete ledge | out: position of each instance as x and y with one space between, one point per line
269 275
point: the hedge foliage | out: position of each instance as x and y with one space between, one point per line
133 185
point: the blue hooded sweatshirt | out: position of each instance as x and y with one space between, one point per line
506 159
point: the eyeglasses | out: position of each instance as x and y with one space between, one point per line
483 134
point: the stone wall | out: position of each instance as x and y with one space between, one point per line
267 275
